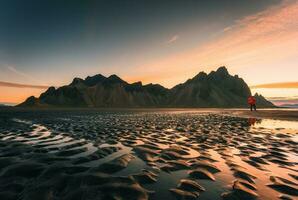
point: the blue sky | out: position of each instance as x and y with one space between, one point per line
50 42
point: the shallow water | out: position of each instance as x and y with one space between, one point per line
278 125
146 155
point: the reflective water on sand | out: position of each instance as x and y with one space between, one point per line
146 155
278 125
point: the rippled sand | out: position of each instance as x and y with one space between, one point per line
48 155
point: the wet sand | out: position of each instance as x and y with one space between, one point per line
279 114
270 113
156 154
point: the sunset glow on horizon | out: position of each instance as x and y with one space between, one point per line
164 43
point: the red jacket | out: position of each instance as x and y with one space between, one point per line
251 100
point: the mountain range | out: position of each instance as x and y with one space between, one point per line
289 105
216 89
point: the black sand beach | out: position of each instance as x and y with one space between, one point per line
147 154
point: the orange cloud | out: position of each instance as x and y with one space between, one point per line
18 85
256 40
277 85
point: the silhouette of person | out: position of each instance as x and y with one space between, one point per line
252 102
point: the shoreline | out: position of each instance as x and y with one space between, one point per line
264 113
275 114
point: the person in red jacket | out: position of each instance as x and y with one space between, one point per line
252 102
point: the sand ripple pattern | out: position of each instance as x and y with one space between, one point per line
69 155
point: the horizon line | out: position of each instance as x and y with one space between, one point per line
275 85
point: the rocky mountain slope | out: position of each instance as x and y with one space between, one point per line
216 89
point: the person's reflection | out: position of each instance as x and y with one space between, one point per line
252 121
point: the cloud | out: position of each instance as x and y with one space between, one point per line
173 39
294 98
277 85
18 85
18 72
262 39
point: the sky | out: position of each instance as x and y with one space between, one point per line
49 42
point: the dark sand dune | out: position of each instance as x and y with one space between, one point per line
69 155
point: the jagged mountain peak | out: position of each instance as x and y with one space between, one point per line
93 80
216 89
51 90
116 79
96 76
199 76
76 81
222 70
138 83
114 76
